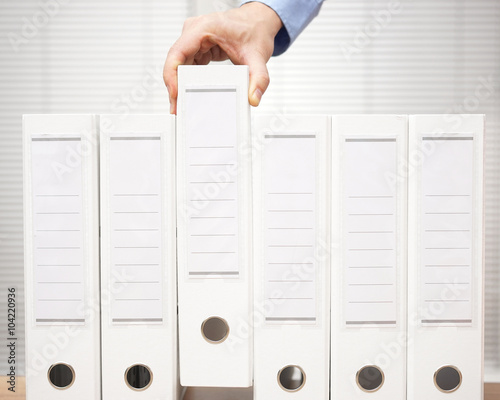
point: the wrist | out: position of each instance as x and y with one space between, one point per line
261 12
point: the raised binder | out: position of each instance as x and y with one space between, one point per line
445 285
214 232
138 279
61 257
369 230
292 257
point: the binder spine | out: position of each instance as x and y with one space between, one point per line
292 257
61 256
370 263
446 268
214 226
139 329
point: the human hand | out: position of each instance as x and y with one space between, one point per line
243 35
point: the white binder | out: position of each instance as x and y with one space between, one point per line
292 257
369 229
445 285
61 257
214 232
138 279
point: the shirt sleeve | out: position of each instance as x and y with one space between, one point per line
295 15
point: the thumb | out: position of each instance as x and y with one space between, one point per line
259 79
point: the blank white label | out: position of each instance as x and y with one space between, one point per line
290 184
212 182
136 237
58 230
447 217
369 210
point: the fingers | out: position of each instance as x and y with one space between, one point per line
183 52
174 59
217 37
259 78
259 75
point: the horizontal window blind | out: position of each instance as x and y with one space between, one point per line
358 56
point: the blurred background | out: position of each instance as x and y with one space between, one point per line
358 56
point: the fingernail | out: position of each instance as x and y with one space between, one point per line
172 108
257 95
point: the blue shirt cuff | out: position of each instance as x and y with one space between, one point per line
295 15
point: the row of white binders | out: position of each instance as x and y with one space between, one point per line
311 257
